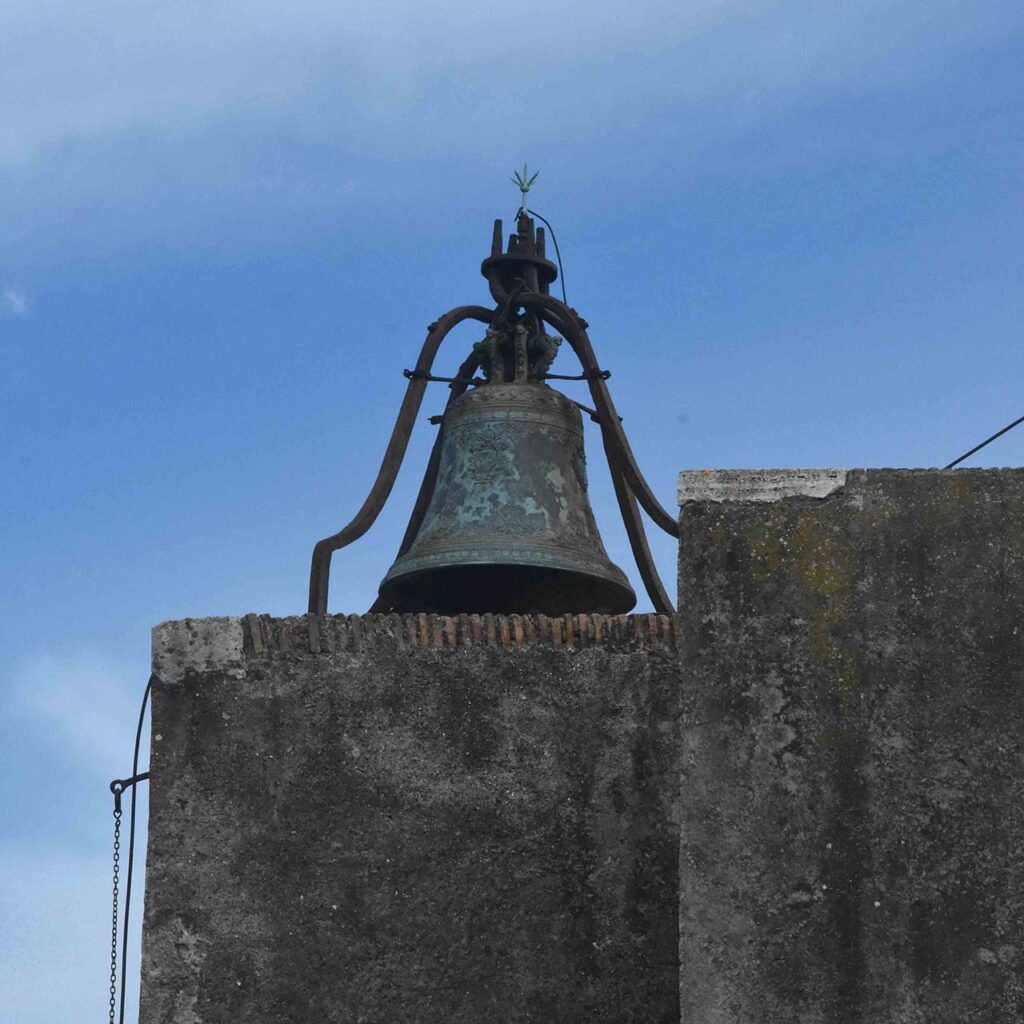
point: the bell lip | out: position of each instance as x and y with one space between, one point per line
538 558
616 595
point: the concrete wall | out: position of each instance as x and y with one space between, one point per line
852 747
394 819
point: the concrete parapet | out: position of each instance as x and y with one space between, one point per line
227 643
852 747
412 819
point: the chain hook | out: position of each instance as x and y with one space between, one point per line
118 786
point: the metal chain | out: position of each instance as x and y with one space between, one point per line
113 925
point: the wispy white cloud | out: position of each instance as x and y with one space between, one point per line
198 122
176 68
111 68
15 299
322 70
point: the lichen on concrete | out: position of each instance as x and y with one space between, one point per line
852 751
197 646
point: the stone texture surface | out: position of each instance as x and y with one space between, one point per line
757 484
852 753
411 819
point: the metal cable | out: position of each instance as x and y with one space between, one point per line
558 255
131 844
978 447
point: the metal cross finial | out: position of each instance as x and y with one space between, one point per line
524 181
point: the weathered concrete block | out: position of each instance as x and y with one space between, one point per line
395 820
853 750
758 484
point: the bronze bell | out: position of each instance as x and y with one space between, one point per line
502 522
509 527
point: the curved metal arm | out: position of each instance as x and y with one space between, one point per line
611 424
634 524
320 567
426 492
567 322
633 521
624 494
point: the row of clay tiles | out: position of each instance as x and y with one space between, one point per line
332 633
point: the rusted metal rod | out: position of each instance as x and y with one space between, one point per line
320 566
634 524
632 520
568 322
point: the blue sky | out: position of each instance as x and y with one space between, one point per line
795 228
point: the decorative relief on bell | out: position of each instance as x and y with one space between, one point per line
516 353
510 521
489 454
541 351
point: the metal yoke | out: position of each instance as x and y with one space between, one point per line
514 355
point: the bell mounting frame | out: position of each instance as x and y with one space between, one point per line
518 279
